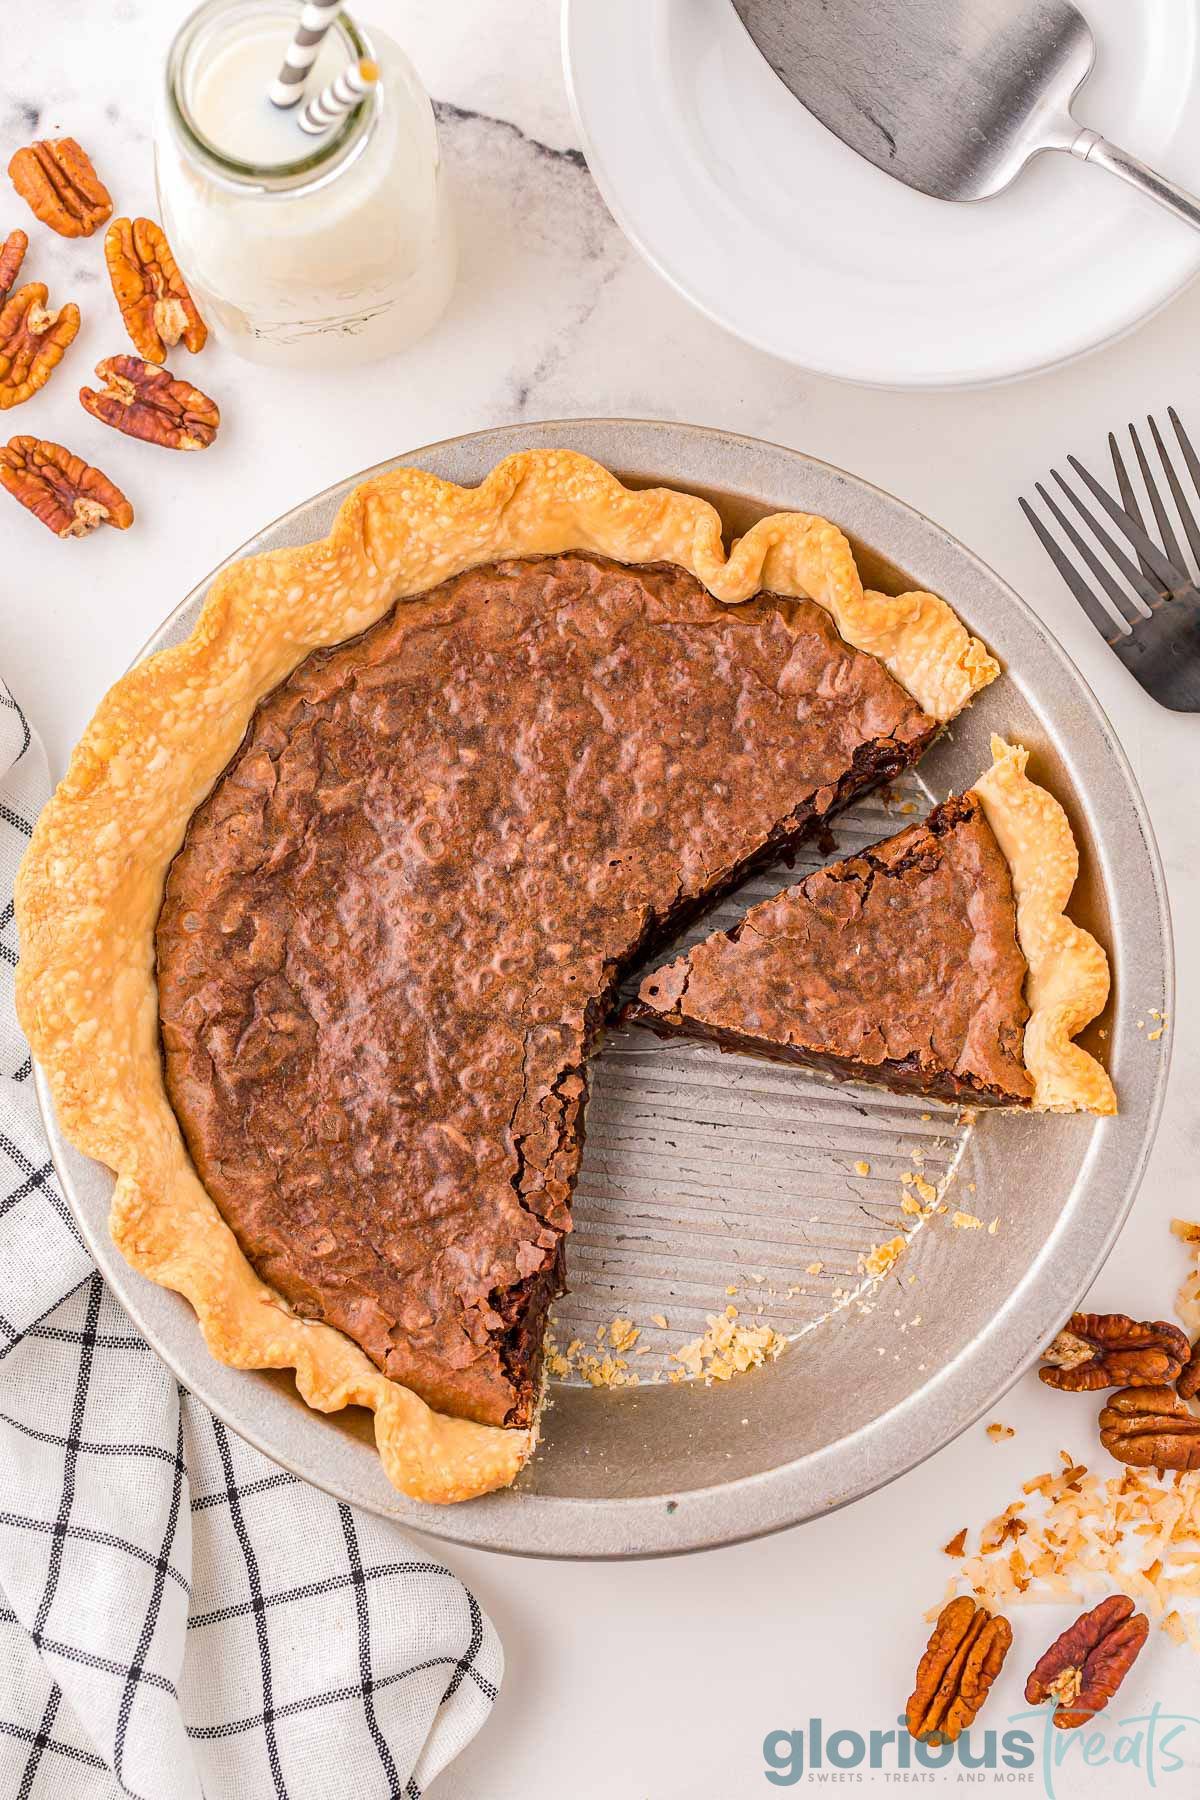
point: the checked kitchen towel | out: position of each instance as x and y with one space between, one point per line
179 1618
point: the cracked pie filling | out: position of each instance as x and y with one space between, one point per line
936 962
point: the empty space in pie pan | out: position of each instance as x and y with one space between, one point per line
714 1181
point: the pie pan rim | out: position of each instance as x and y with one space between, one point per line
556 1525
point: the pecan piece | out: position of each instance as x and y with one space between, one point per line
60 489
61 186
1189 1382
1151 1428
155 303
12 255
32 342
1082 1669
965 1653
1099 1350
145 401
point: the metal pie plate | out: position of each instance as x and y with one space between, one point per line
705 1173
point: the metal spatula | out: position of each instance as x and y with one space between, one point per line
950 96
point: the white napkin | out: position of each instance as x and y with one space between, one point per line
179 1618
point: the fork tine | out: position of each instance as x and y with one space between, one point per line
1163 572
1129 499
1189 457
1177 494
1148 597
1170 542
1111 629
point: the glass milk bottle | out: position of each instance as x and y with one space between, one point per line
301 251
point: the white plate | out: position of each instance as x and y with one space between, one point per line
737 195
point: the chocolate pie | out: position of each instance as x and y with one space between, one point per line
905 964
321 926
398 920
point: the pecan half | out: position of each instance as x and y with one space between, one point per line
155 304
1189 1382
1151 1428
32 342
60 489
147 402
965 1653
12 255
1099 1350
61 186
1082 1669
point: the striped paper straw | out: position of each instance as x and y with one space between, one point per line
315 20
340 97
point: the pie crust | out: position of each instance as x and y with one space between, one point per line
90 887
1068 981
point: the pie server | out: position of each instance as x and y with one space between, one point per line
951 97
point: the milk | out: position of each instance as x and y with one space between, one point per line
228 92
301 251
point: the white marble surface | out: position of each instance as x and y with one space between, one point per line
652 1681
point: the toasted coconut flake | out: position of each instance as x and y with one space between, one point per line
1187 1301
1079 1534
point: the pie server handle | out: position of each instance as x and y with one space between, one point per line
1089 146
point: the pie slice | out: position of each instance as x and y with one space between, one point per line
937 962
319 930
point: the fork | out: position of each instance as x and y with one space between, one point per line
1156 630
